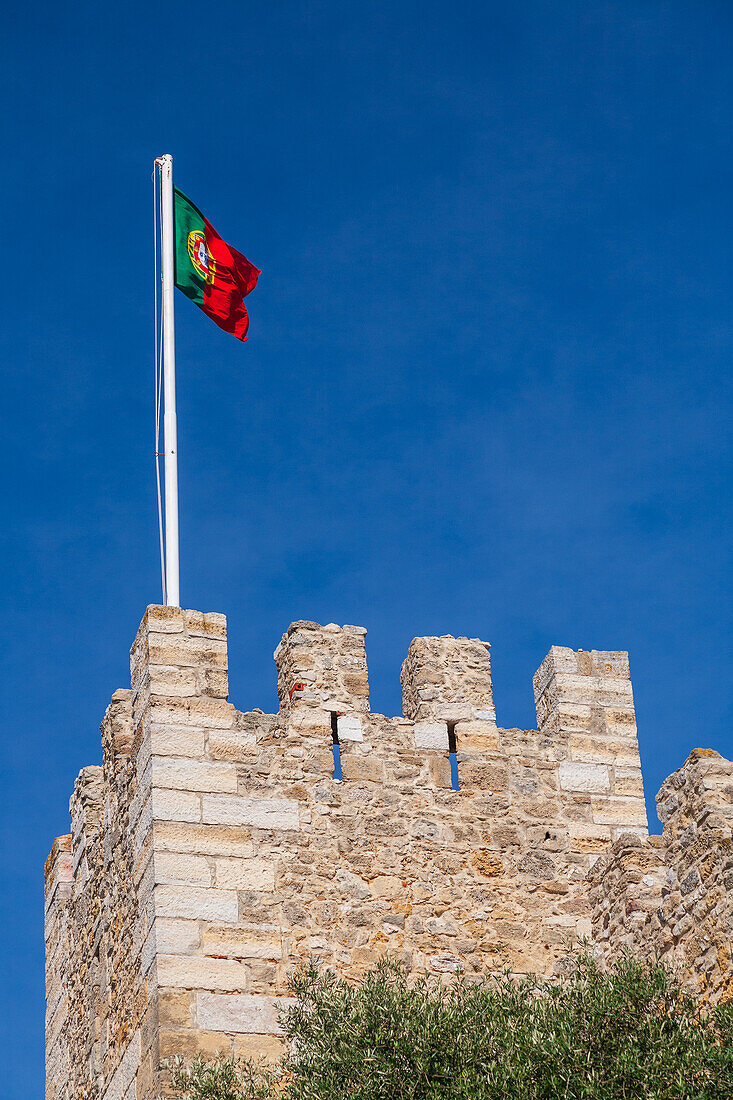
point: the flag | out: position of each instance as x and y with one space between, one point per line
208 270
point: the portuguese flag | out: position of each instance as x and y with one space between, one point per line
209 271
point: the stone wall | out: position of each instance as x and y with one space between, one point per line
214 849
98 997
672 896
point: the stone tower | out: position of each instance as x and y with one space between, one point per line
213 850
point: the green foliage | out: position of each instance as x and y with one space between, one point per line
220 1079
629 1033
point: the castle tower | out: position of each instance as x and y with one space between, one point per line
214 850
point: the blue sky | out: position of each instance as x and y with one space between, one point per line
487 386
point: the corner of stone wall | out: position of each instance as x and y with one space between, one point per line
626 886
672 896
116 729
695 805
585 704
59 877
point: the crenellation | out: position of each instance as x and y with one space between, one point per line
447 679
214 850
323 667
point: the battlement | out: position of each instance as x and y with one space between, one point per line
322 666
672 896
215 849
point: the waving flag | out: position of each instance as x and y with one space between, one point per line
209 271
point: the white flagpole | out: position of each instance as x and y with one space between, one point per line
170 428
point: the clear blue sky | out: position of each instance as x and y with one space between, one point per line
486 390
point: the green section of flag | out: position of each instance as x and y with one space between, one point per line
190 228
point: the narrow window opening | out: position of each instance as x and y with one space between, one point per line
452 756
336 747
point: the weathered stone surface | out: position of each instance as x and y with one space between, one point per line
243 1014
197 972
618 811
181 869
172 805
431 735
672 896
242 942
584 777
262 813
350 728
193 902
182 774
176 937
213 850
324 667
448 679
245 874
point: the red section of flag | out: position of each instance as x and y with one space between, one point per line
233 278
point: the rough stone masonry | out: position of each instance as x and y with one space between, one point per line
213 850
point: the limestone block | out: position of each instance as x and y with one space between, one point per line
485 714
205 624
589 838
242 943
176 740
350 728
387 886
196 903
186 652
197 972
256 1047
350 883
182 774
618 811
601 691
575 776
179 869
360 767
176 937
445 964
170 680
440 773
176 1009
245 874
605 750
230 744
163 620
141 829
629 782
453 712
206 840
261 813
243 1014
431 735
202 711
311 720
172 805
188 1043
477 735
